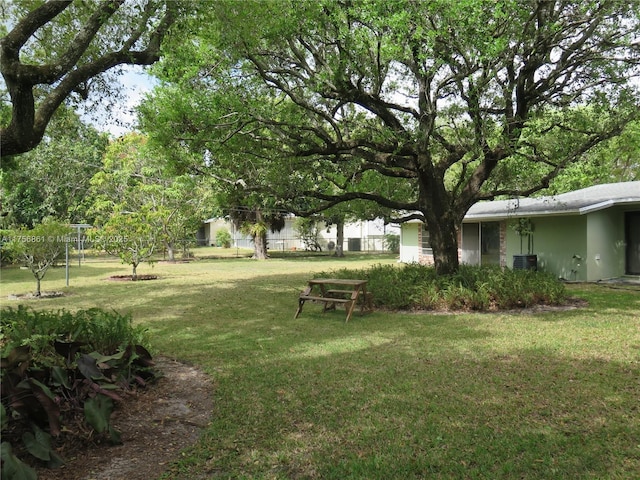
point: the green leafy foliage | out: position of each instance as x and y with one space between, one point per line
52 180
60 365
485 288
138 198
97 411
66 52
308 230
38 444
424 108
12 467
392 242
223 238
46 331
38 248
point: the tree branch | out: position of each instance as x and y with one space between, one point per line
28 121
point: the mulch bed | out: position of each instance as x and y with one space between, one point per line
31 296
129 278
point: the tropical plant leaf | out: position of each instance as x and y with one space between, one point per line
60 376
12 467
89 368
104 389
114 436
3 417
97 412
68 349
47 400
38 443
107 358
143 357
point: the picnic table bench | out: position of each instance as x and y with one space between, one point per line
348 292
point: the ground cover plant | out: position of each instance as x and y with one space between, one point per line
389 394
484 288
62 372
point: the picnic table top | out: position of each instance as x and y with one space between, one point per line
337 281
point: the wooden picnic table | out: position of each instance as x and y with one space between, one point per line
333 291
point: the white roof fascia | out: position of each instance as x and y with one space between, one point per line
597 206
606 204
503 216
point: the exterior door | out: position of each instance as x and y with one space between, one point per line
632 231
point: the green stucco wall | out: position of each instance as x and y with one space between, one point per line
587 247
559 242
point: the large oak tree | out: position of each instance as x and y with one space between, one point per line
59 49
454 102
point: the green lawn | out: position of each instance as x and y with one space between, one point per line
387 395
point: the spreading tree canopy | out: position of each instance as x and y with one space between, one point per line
59 49
422 107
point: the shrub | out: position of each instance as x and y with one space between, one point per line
60 365
392 242
98 330
223 238
485 288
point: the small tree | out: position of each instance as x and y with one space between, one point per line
524 228
130 236
308 231
39 247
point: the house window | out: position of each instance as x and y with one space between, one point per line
426 242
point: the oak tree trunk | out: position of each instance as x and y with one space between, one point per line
443 217
444 243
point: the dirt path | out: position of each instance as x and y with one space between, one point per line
155 425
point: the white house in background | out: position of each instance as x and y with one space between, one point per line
358 236
587 235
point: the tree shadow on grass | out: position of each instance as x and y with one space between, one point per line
380 396
381 413
388 397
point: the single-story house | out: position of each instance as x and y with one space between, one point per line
358 235
586 235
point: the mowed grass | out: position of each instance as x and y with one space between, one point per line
387 395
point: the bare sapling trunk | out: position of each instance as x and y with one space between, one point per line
171 256
339 240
